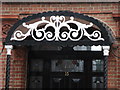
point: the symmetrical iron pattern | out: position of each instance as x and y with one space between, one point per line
57 21
104 31
61 30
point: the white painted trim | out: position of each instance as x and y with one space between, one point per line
96 48
106 50
9 49
57 22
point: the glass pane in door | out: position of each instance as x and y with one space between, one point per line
76 83
36 65
56 82
35 82
97 82
97 65
66 82
67 66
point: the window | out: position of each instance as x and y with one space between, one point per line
36 65
98 74
97 65
35 82
66 72
97 82
67 65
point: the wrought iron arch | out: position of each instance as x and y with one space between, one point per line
103 41
105 30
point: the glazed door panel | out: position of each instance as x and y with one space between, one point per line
65 72
56 73
66 82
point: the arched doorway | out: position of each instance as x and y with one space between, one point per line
66 49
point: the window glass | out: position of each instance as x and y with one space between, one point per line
97 82
46 47
35 82
67 65
36 65
97 65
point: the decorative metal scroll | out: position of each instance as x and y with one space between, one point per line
58 29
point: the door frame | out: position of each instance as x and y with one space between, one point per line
87 66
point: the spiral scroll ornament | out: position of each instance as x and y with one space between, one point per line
57 23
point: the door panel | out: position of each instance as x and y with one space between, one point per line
35 82
36 65
66 65
66 82
65 72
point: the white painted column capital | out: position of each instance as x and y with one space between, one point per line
106 50
9 48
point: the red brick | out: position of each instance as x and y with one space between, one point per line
19 60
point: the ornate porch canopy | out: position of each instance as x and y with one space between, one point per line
59 27
63 28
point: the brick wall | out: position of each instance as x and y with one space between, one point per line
16 9
18 67
101 11
2 68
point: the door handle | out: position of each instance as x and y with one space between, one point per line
66 73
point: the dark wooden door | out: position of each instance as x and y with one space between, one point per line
67 73
62 70
43 74
66 82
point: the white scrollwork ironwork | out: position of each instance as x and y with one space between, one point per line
57 29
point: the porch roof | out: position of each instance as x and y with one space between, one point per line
104 30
